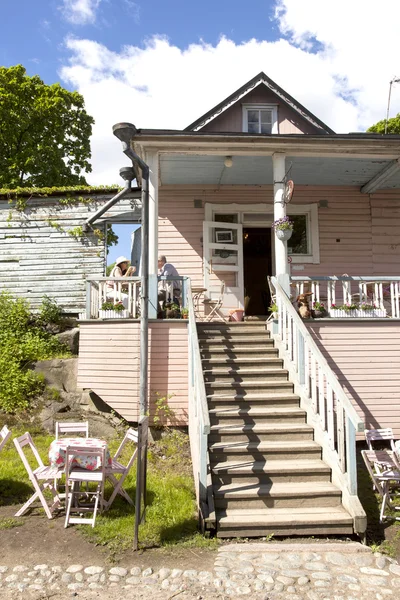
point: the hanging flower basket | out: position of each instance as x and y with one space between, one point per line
283 228
284 234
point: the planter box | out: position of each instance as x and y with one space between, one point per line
113 314
336 313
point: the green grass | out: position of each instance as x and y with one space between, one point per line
171 511
10 523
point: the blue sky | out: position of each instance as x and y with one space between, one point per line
164 63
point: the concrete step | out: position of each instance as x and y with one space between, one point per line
263 472
233 340
273 398
249 415
243 375
277 385
270 450
281 521
228 332
277 495
260 433
241 351
243 362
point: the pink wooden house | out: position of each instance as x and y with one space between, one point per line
215 189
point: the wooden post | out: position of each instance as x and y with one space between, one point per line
88 300
281 262
141 477
152 161
351 459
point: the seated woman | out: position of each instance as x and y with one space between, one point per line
114 290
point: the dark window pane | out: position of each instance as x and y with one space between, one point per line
266 128
253 128
252 116
298 243
266 116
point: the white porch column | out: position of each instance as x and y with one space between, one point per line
281 262
152 161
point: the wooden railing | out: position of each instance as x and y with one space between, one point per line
330 411
113 289
381 292
199 419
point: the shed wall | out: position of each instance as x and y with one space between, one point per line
109 364
366 359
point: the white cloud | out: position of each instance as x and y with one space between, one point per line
333 56
80 12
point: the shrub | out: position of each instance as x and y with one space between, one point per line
23 340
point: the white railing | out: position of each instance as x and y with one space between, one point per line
329 410
381 292
113 289
199 419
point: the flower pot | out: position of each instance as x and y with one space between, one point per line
186 316
237 315
113 314
376 313
283 234
320 313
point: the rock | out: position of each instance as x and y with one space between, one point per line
147 572
120 571
395 569
60 373
190 573
79 576
149 581
41 568
136 571
93 570
66 577
302 580
164 574
315 566
176 573
265 578
74 569
95 586
75 586
133 580
165 584
93 578
11 578
369 571
3 569
114 578
20 569
279 587
347 579
335 558
285 580
244 590
70 338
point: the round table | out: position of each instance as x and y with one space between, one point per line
58 451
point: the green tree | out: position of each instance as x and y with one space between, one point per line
44 134
393 126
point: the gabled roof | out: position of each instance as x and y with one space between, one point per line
260 79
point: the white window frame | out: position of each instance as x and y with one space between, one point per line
272 107
310 210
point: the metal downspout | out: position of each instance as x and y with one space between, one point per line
125 132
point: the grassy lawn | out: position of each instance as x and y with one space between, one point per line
170 516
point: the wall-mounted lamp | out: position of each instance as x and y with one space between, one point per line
228 161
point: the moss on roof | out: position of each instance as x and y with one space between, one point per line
58 191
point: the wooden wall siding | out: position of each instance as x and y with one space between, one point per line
357 233
109 364
366 359
37 259
231 120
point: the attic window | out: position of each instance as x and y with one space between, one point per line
260 118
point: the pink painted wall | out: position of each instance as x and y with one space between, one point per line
109 364
289 121
366 359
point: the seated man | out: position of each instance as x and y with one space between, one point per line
168 291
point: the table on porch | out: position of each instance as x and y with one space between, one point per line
198 294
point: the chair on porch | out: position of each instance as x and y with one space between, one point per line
5 435
379 435
42 478
384 471
215 304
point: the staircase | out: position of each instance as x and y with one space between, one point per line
268 476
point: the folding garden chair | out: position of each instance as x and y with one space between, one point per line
379 435
42 478
64 428
117 468
384 470
75 476
5 435
215 304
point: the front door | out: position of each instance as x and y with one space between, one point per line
223 262
257 264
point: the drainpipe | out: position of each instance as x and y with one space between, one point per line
125 132
128 174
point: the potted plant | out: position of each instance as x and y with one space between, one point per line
319 310
357 310
184 313
236 314
283 228
172 310
109 310
273 309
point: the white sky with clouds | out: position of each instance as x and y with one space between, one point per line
335 57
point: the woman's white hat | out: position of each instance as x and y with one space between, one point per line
121 259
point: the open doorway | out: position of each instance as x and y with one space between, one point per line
125 241
257 265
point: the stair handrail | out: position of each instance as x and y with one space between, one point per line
324 393
199 419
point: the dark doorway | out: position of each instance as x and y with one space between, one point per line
257 264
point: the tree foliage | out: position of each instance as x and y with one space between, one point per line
393 126
45 132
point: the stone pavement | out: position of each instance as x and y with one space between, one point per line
273 571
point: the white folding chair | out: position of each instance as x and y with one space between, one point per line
75 476
384 470
5 435
379 435
64 428
42 478
215 304
117 468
